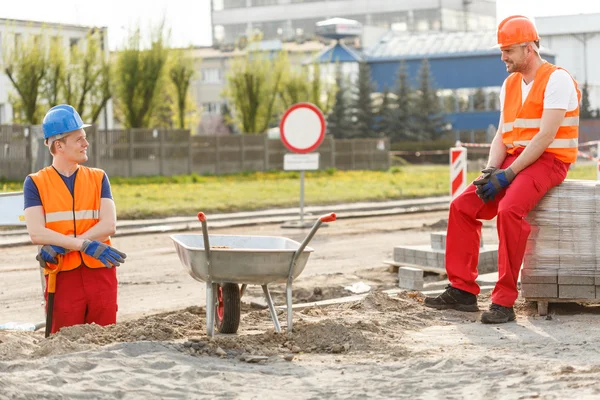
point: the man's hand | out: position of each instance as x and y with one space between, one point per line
485 176
49 252
499 179
109 256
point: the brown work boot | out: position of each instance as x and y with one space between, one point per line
453 299
498 314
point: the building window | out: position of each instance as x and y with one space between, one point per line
212 75
73 42
211 108
217 5
227 4
231 33
261 3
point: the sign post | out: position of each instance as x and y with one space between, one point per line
302 129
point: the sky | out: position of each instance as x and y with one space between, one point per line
189 20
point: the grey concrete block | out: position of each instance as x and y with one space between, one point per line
432 259
410 284
576 280
538 276
438 240
598 291
577 291
410 273
534 290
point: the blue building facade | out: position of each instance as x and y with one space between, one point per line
466 71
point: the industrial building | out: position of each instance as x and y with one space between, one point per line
292 19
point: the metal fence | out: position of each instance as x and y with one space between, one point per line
146 152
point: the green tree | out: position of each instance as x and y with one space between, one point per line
479 100
338 120
586 108
181 73
26 65
429 122
364 115
306 85
384 115
85 73
401 127
139 76
53 82
253 86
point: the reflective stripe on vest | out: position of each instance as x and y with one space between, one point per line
556 144
68 215
536 123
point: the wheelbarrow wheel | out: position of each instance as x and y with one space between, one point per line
228 308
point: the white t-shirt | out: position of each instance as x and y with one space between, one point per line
560 91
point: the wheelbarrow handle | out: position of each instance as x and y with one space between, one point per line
324 218
328 217
202 219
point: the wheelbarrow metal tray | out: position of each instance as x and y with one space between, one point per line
257 260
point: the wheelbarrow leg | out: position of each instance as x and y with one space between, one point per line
288 302
211 291
271 308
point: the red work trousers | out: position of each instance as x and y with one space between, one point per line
84 295
510 206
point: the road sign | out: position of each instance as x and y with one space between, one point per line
302 128
301 162
458 170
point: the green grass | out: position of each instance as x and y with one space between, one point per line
146 197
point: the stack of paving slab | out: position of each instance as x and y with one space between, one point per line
433 257
561 258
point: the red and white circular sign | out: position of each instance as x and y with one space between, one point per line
302 128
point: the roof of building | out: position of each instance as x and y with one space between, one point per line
7 22
337 53
397 45
267 45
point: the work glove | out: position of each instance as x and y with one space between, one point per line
484 178
107 255
486 173
500 179
49 252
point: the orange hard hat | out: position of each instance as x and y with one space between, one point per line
516 29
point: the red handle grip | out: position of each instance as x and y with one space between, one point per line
328 218
201 216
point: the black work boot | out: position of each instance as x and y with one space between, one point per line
498 315
454 299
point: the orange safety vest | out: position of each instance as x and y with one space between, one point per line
69 214
522 121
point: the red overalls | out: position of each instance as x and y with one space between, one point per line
511 206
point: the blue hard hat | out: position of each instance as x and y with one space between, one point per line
61 119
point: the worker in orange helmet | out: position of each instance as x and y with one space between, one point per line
536 141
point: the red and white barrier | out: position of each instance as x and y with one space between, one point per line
458 170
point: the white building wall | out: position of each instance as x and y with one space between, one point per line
575 40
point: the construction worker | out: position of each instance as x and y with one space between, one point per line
70 213
536 141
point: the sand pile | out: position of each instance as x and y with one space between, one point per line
372 324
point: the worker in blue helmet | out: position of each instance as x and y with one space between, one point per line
70 213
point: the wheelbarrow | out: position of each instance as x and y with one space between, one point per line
224 261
